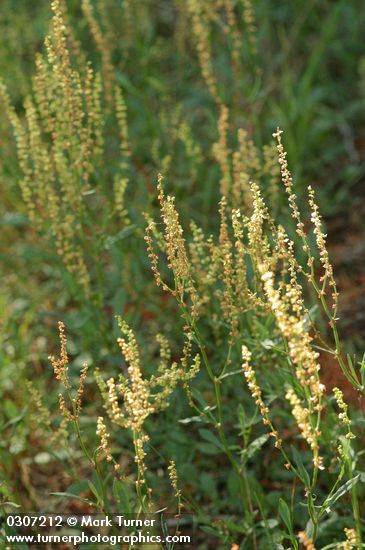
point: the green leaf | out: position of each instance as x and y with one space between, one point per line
269 523
254 446
211 438
79 487
340 492
16 420
95 492
304 476
268 344
351 366
164 526
231 373
285 514
12 504
208 448
242 527
212 531
13 219
202 402
190 419
76 497
121 496
208 484
122 234
362 370
10 409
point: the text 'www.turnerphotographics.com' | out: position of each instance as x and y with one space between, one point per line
109 529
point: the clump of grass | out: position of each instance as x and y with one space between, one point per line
61 147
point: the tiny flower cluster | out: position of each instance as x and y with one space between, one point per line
137 394
310 434
104 438
60 368
343 415
352 540
256 393
306 541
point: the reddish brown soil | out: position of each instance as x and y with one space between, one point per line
346 244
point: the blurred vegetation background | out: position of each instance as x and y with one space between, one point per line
301 66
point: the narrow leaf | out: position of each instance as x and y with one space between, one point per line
341 491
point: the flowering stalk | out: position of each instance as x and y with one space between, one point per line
327 276
60 367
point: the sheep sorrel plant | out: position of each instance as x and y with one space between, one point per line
242 300
289 462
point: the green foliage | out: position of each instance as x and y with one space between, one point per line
118 93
